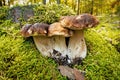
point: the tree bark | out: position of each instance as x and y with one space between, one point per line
0 3
4 2
8 2
50 1
78 7
91 12
66 2
44 1
58 2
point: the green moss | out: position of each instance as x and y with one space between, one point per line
102 61
20 60
3 13
50 13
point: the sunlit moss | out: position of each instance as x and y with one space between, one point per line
20 60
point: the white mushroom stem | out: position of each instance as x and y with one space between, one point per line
60 45
77 47
44 45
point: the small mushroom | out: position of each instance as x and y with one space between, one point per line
39 33
58 34
43 43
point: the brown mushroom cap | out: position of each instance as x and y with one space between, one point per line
57 29
79 22
38 29
67 21
24 30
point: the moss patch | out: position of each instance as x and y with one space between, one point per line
20 60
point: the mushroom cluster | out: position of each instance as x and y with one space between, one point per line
63 40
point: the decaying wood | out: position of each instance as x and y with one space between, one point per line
78 75
72 74
66 71
55 46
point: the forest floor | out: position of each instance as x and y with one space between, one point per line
20 60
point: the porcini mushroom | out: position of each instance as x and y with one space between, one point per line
39 33
63 40
58 34
77 47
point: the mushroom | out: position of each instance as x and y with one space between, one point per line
39 33
63 40
77 48
58 34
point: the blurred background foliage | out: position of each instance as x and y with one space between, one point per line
96 7
19 58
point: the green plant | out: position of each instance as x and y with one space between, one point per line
50 13
20 60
